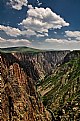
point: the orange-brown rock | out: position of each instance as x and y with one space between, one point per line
19 99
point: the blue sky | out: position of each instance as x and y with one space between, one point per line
44 24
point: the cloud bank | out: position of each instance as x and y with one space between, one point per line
15 32
73 34
60 41
10 30
62 44
14 42
41 20
37 23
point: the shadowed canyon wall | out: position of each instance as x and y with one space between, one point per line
41 64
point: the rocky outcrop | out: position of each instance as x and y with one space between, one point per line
19 98
41 64
72 55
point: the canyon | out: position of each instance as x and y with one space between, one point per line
26 84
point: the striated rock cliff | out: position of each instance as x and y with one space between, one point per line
19 99
41 64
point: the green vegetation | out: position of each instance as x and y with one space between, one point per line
64 93
19 49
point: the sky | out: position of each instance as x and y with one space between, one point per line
42 24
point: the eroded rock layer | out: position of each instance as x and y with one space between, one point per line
19 99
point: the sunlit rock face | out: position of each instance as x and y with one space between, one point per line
19 99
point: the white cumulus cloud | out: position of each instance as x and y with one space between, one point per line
14 32
61 44
17 4
28 32
73 34
14 42
41 20
37 23
10 30
52 40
